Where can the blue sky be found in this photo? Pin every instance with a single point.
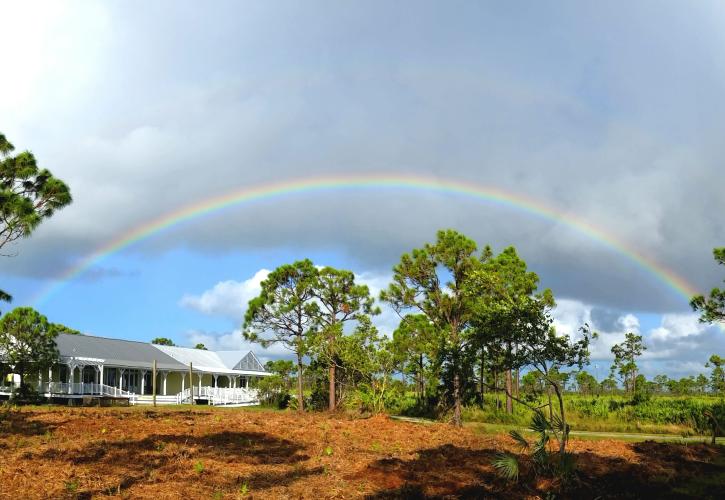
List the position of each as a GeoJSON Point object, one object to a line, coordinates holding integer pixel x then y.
{"type": "Point", "coordinates": [612, 112]}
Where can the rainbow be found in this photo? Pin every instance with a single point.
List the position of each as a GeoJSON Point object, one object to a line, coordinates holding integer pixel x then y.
{"type": "Point", "coordinates": [362, 182]}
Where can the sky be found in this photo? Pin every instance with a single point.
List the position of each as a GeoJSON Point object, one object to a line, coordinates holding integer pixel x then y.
{"type": "Point", "coordinates": [609, 112]}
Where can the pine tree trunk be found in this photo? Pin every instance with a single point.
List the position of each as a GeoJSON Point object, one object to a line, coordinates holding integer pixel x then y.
{"type": "Point", "coordinates": [481, 378]}
{"type": "Point", "coordinates": [420, 378]}
{"type": "Point", "coordinates": [509, 388]}
{"type": "Point", "coordinates": [332, 387]}
{"type": "Point", "coordinates": [495, 388]}
{"type": "Point", "coordinates": [300, 394]}
{"type": "Point", "coordinates": [457, 400]}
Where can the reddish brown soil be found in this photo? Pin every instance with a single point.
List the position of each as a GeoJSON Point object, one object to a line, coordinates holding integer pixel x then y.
{"type": "Point", "coordinates": [207, 453]}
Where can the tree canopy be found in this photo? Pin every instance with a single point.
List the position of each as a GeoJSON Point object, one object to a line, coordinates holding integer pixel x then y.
{"type": "Point", "coordinates": [285, 312]}
{"type": "Point", "coordinates": [712, 308]}
{"type": "Point", "coordinates": [163, 341]}
{"type": "Point", "coordinates": [27, 342]}
{"type": "Point", "coordinates": [341, 301]}
{"type": "Point", "coordinates": [625, 360]}
{"type": "Point", "coordinates": [28, 195]}
{"type": "Point", "coordinates": [431, 281]}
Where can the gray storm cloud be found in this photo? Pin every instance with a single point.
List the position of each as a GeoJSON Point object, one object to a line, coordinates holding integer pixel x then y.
{"type": "Point", "coordinates": [611, 113]}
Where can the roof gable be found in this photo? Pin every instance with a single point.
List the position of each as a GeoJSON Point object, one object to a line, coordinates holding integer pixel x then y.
{"type": "Point", "coordinates": [249, 362]}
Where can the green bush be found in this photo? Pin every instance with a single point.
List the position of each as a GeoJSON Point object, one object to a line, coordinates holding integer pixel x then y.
{"type": "Point", "coordinates": [273, 392]}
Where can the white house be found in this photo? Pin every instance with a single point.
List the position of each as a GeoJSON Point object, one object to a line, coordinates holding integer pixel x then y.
{"type": "Point", "coordinates": [113, 368]}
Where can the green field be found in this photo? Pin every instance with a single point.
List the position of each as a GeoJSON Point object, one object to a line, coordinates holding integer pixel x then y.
{"type": "Point", "coordinates": [683, 416]}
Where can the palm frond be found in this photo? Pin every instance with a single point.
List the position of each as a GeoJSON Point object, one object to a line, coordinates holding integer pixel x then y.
{"type": "Point", "coordinates": [520, 440]}
{"type": "Point", "coordinates": [558, 424]}
{"type": "Point", "coordinates": [539, 423]}
{"type": "Point", "coordinates": [507, 466]}
{"type": "Point", "coordinates": [539, 452]}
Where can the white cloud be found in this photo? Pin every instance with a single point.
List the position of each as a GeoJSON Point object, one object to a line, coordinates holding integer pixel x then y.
{"type": "Point", "coordinates": [678, 346]}
{"type": "Point", "coordinates": [678, 326]}
{"type": "Point", "coordinates": [387, 321]}
{"type": "Point", "coordinates": [233, 341]}
{"type": "Point", "coordinates": [228, 299]}
{"type": "Point", "coordinates": [57, 42]}
{"type": "Point", "coordinates": [630, 323]}
{"type": "Point", "coordinates": [569, 315]}
{"type": "Point", "coordinates": [226, 341]}
{"type": "Point", "coordinates": [153, 96]}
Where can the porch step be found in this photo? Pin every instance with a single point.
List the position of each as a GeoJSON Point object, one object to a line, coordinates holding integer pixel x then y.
{"type": "Point", "coordinates": [147, 399]}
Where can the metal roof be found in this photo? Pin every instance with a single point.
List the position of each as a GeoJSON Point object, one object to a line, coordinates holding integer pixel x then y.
{"type": "Point", "coordinates": [239, 362]}
{"type": "Point", "coordinates": [114, 352]}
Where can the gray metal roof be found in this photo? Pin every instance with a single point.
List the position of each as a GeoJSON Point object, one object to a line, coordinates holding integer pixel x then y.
{"type": "Point", "coordinates": [115, 352]}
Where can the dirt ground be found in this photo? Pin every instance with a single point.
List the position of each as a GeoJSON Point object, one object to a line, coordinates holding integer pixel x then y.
{"type": "Point", "coordinates": [218, 453]}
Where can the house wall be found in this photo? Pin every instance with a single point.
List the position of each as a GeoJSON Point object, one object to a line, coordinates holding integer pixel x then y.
{"type": "Point", "coordinates": [173, 383]}
{"type": "Point", "coordinates": [60, 373]}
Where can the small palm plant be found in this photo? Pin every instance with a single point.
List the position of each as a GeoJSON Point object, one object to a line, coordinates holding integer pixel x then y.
{"type": "Point", "coordinates": [543, 461]}
{"type": "Point", "coordinates": [710, 415]}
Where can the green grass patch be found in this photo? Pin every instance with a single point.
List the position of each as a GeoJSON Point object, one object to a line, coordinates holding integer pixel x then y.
{"type": "Point", "coordinates": [683, 416]}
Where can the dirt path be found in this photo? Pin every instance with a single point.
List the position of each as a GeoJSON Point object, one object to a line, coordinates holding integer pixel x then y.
{"type": "Point", "coordinates": [623, 436]}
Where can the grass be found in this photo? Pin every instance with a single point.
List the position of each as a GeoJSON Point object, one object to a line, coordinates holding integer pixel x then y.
{"type": "Point", "coordinates": [682, 416]}
{"type": "Point", "coordinates": [495, 429]}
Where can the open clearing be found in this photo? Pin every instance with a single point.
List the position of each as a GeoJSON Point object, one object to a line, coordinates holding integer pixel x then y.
{"type": "Point", "coordinates": [217, 453]}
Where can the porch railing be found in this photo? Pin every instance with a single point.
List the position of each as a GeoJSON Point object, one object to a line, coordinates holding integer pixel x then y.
{"type": "Point", "coordinates": [219, 395]}
{"type": "Point", "coordinates": [86, 388]}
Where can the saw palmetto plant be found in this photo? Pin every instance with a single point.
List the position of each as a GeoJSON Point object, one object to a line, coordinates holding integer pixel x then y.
{"type": "Point", "coordinates": [543, 461]}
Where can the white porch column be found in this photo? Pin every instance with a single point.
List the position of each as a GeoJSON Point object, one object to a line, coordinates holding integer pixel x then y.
{"type": "Point", "coordinates": [163, 378]}
{"type": "Point", "coordinates": [120, 378]}
{"type": "Point", "coordinates": [200, 375]}
{"type": "Point", "coordinates": [81, 384]}
{"type": "Point", "coordinates": [216, 380]}
{"type": "Point", "coordinates": [183, 382]}
{"type": "Point", "coordinates": [101, 376]}
{"type": "Point", "coordinates": [143, 382]}
{"type": "Point", "coordinates": [71, 376]}
{"type": "Point", "coordinates": [50, 378]}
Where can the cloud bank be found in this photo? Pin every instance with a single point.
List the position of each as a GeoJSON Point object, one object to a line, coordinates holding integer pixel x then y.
{"type": "Point", "coordinates": [145, 111]}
